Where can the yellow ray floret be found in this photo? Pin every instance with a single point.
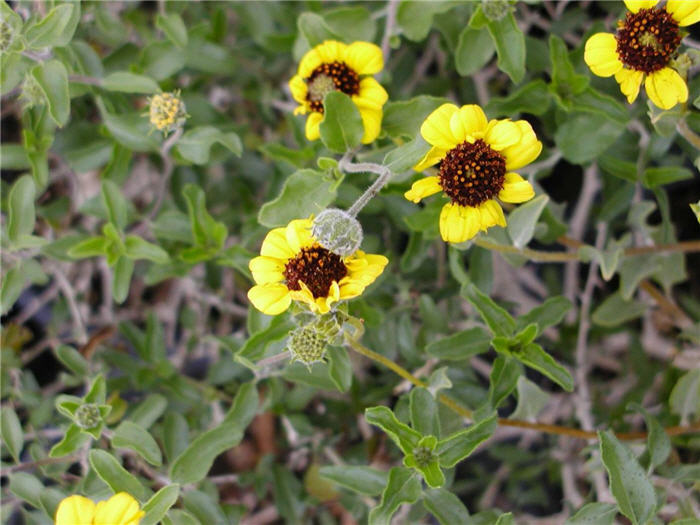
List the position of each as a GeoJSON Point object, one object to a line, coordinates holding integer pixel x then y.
{"type": "Point", "coordinates": [120, 509]}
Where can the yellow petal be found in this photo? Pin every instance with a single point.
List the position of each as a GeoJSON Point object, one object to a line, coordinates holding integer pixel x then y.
{"type": "Point", "coordinates": [313, 131]}
{"type": "Point", "coordinates": [75, 510]}
{"type": "Point", "coordinates": [298, 234]}
{"type": "Point", "coordinates": [501, 134]}
{"type": "Point", "coordinates": [120, 509]}
{"type": "Point", "coordinates": [371, 95]}
{"type": "Point", "coordinates": [276, 245]}
{"type": "Point", "coordinates": [666, 88]}
{"type": "Point", "coordinates": [423, 188]}
{"type": "Point", "coordinates": [271, 298]}
{"type": "Point", "coordinates": [459, 223]}
{"type": "Point", "coordinates": [308, 63]}
{"type": "Point", "coordinates": [301, 110]}
{"type": "Point", "coordinates": [350, 289]}
{"type": "Point", "coordinates": [364, 57]}
{"type": "Point", "coordinates": [601, 55]}
{"type": "Point", "coordinates": [364, 268]}
{"type": "Point", "coordinates": [436, 128]}
{"type": "Point", "coordinates": [523, 152]}
{"type": "Point", "coordinates": [630, 82]}
{"type": "Point", "coordinates": [491, 214]}
{"type": "Point", "coordinates": [685, 12]}
{"type": "Point", "coordinates": [516, 189]}
{"type": "Point", "coordinates": [433, 156]}
{"type": "Point", "coordinates": [636, 5]}
{"type": "Point", "coordinates": [468, 124]}
{"type": "Point", "coordinates": [266, 269]}
{"type": "Point", "coordinates": [298, 88]}
{"type": "Point", "coordinates": [331, 51]}
{"type": "Point", "coordinates": [372, 124]}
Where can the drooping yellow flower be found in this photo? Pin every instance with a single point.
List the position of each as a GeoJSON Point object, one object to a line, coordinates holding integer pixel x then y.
{"type": "Point", "coordinates": [641, 51]}
{"type": "Point", "coordinates": [334, 65]}
{"type": "Point", "coordinates": [120, 509]}
{"type": "Point", "coordinates": [293, 266]}
{"type": "Point", "coordinates": [476, 159]}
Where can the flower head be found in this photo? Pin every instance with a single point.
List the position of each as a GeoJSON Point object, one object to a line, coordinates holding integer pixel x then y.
{"type": "Point", "coordinates": [335, 66]}
{"type": "Point", "coordinates": [293, 266]}
{"type": "Point", "coordinates": [120, 509]}
{"type": "Point", "coordinates": [643, 49]}
{"type": "Point", "coordinates": [476, 158]}
{"type": "Point", "coordinates": [166, 111]}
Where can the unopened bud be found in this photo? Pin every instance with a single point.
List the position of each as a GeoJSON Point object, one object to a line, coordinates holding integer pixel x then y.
{"type": "Point", "coordinates": [167, 112]}
{"type": "Point", "coordinates": [337, 231]}
{"type": "Point", "coordinates": [495, 9]}
{"type": "Point", "coordinates": [307, 345]}
{"type": "Point", "coordinates": [32, 94]}
{"type": "Point", "coordinates": [87, 415]}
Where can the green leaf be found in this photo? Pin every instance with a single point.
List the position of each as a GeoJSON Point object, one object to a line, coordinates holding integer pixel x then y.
{"type": "Point", "coordinates": [565, 81]}
{"type": "Point", "coordinates": [13, 157]}
{"type": "Point", "coordinates": [254, 348]}
{"type": "Point", "coordinates": [134, 437]}
{"type": "Point", "coordinates": [315, 29]}
{"type": "Point", "coordinates": [90, 247]}
{"type": "Point", "coordinates": [534, 356]}
{"type": "Point", "coordinates": [175, 435]}
{"type": "Point", "coordinates": [73, 360]}
{"type": "Point", "coordinates": [26, 487]}
{"type": "Point", "coordinates": [340, 368]}
{"type": "Point", "coordinates": [474, 50]}
{"type": "Point", "coordinates": [505, 519]}
{"type": "Point", "coordinates": [203, 507]}
{"type": "Point", "coordinates": [549, 313]}
{"type": "Point", "coordinates": [654, 177]}
{"type": "Point", "coordinates": [121, 279]}
{"type": "Point", "coordinates": [115, 204]}
{"type": "Point", "coordinates": [594, 514]}
{"type": "Point", "coordinates": [405, 437]}
{"type": "Point", "coordinates": [407, 155]}
{"type": "Point", "coordinates": [658, 442]}
{"type": "Point", "coordinates": [461, 345]}
{"type": "Point", "coordinates": [11, 432]}
{"type": "Point", "coordinates": [402, 487]}
{"type": "Point", "coordinates": [632, 490]}
{"type": "Point", "coordinates": [498, 320]}
{"type": "Point", "coordinates": [363, 480]}
{"type": "Point", "coordinates": [510, 46]}
{"type": "Point", "coordinates": [685, 396]}
{"type": "Point", "coordinates": [195, 145]}
{"type": "Point", "coordinates": [52, 78]}
{"type": "Point", "coordinates": [149, 410]}
{"type": "Point", "coordinates": [460, 445]}
{"type": "Point", "coordinates": [55, 29]}
{"type": "Point", "coordinates": [635, 269]}
{"type": "Point", "coordinates": [287, 491]}
{"type": "Point", "coordinates": [132, 130]}
{"type": "Point", "coordinates": [341, 128]}
{"type": "Point", "coordinates": [533, 97]}
{"type": "Point", "coordinates": [504, 376]}
{"type": "Point", "coordinates": [531, 400]}
{"type": "Point", "coordinates": [424, 412]}
{"type": "Point", "coordinates": [12, 286]}
{"type": "Point", "coordinates": [156, 507]}
{"type": "Point", "coordinates": [615, 310]}
{"type": "Point", "coordinates": [447, 508]}
{"type": "Point", "coordinates": [415, 18]}
{"type": "Point", "coordinates": [21, 213]}
{"type": "Point", "coordinates": [194, 463]}
{"type": "Point", "coordinates": [126, 82]}
{"type": "Point", "coordinates": [205, 229]}
{"type": "Point", "coordinates": [584, 136]}
{"type": "Point", "coordinates": [117, 477]}
{"type": "Point", "coordinates": [174, 28]}
{"type": "Point", "coordinates": [138, 248]}
{"type": "Point", "coordinates": [304, 192]}
{"type": "Point", "coordinates": [523, 219]}
{"type": "Point", "coordinates": [403, 118]}
{"type": "Point", "coordinates": [72, 440]}
{"type": "Point", "coordinates": [352, 22]}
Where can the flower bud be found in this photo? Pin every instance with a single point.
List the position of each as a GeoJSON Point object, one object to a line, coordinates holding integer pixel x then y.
{"type": "Point", "coordinates": [307, 345]}
{"type": "Point", "coordinates": [337, 231]}
{"type": "Point", "coordinates": [495, 9]}
{"type": "Point", "coordinates": [167, 112]}
{"type": "Point", "coordinates": [88, 415]}
{"type": "Point", "coordinates": [32, 94]}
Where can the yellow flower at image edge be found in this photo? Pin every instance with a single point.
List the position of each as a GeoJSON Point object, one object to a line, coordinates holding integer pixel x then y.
{"type": "Point", "coordinates": [335, 66]}
{"type": "Point", "coordinates": [120, 509]}
{"type": "Point", "coordinates": [476, 159]}
{"type": "Point", "coordinates": [642, 50]}
{"type": "Point", "coordinates": [293, 266]}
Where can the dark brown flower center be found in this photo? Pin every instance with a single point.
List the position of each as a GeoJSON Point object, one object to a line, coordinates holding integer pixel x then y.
{"type": "Point", "coordinates": [647, 39]}
{"type": "Point", "coordinates": [471, 174]}
{"type": "Point", "coordinates": [317, 268]}
{"type": "Point", "coordinates": [336, 76]}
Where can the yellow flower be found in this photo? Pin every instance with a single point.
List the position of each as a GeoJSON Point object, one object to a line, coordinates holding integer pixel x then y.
{"type": "Point", "coordinates": [337, 66]}
{"type": "Point", "coordinates": [476, 159]}
{"type": "Point", "coordinates": [166, 111]}
{"type": "Point", "coordinates": [293, 266]}
{"type": "Point", "coordinates": [120, 509]}
{"type": "Point", "coordinates": [645, 43]}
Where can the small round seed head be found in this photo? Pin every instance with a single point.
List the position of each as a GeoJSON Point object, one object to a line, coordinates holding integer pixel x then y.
{"type": "Point", "coordinates": [337, 231]}
{"type": "Point", "coordinates": [87, 415]}
{"type": "Point", "coordinates": [167, 112]}
{"type": "Point", "coordinates": [307, 345]}
{"type": "Point", "coordinates": [495, 9]}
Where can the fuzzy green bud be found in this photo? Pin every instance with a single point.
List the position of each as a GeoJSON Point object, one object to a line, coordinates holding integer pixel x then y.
{"type": "Point", "coordinates": [337, 231]}
{"type": "Point", "coordinates": [87, 415]}
{"type": "Point", "coordinates": [307, 345]}
{"type": "Point", "coordinates": [495, 9]}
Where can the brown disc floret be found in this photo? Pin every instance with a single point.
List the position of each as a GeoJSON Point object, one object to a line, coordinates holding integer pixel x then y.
{"type": "Point", "coordinates": [647, 39]}
{"type": "Point", "coordinates": [472, 173]}
{"type": "Point", "coordinates": [317, 268]}
{"type": "Point", "coordinates": [336, 76]}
